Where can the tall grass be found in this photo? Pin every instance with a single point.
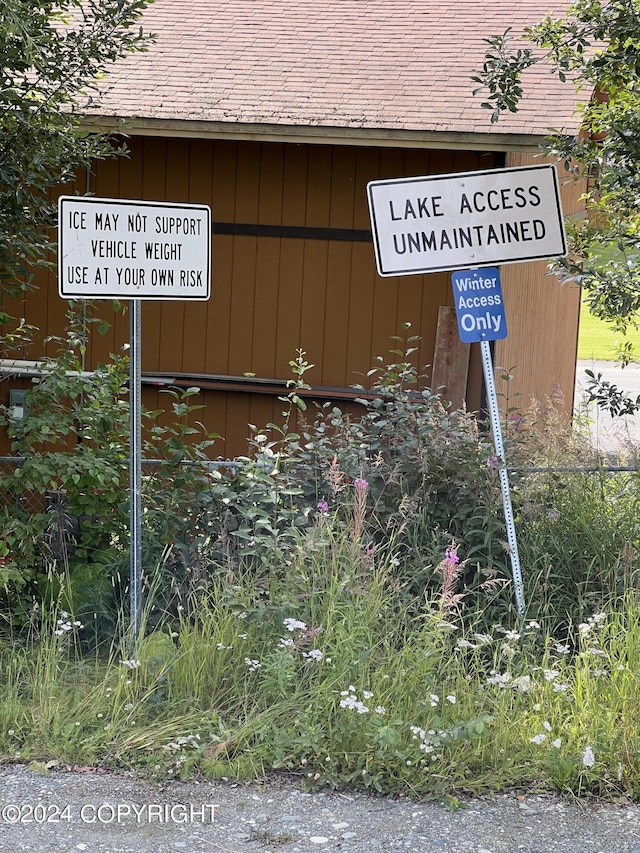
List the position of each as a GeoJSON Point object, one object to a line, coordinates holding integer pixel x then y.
{"type": "Point", "coordinates": [333, 677]}
{"type": "Point", "coordinates": [597, 340]}
{"type": "Point", "coordinates": [363, 633]}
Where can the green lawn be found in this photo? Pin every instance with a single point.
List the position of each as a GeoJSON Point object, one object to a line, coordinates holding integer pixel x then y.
{"type": "Point", "coordinates": [597, 340]}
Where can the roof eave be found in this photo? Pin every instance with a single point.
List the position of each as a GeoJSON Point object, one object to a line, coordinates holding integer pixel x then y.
{"type": "Point", "coordinates": [316, 134]}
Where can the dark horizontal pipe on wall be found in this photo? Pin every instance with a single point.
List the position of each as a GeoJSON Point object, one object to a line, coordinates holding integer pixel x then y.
{"type": "Point", "coordinates": [297, 232]}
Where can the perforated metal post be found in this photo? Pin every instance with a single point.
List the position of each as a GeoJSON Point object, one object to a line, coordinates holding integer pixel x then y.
{"type": "Point", "coordinates": [494, 415]}
{"type": "Point", "coordinates": [135, 469]}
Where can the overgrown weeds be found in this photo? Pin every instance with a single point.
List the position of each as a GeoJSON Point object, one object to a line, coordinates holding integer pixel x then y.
{"type": "Point", "coordinates": [338, 605]}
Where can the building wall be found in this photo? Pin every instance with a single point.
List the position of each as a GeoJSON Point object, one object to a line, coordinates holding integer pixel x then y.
{"type": "Point", "coordinates": [293, 268]}
{"type": "Point", "coordinates": [542, 320]}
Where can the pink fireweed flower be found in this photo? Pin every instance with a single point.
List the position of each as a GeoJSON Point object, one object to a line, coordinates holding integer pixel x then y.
{"type": "Point", "coordinates": [450, 572]}
{"type": "Point", "coordinates": [359, 507]}
{"type": "Point", "coordinates": [451, 555]}
{"type": "Point", "coordinates": [323, 507]}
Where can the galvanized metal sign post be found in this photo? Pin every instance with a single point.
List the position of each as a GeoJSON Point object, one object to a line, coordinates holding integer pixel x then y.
{"type": "Point", "coordinates": [481, 319]}
{"type": "Point", "coordinates": [135, 466]}
{"type": "Point", "coordinates": [467, 222]}
{"type": "Point", "coordinates": [494, 415]}
{"type": "Point", "coordinates": [134, 250]}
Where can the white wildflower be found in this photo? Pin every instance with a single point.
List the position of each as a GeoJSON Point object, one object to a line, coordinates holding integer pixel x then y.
{"type": "Point", "coordinates": [538, 738]}
{"type": "Point", "coordinates": [588, 758]}
{"type": "Point", "coordinates": [497, 678]}
{"type": "Point", "coordinates": [351, 701]}
{"type": "Point", "coordinates": [354, 704]}
{"type": "Point", "coordinates": [434, 699]}
{"type": "Point", "coordinates": [65, 625]}
{"type": "Point", "coordinates": [508, 651]}
{"type": "Point", "coordinates": [546, 725]}
{"type": "Point", "coordinates": [562, 649]}
{"type": "Point", "coordinates": [592, 650]}
{"type": "Point", "coordinates": [451, 698]}
{"type": "Point", "coordinates": [523, 683]}
{"type": "Point", "coordinates": [253, 665]}
{"type": "Point", "coordinates": [380, 709]}
{"type": "Point", "coordinates": [557, 743]}
{"type": "Point", "coordinates": [294, 624]}
{"type": "Point", "coordinates": [314, 654]}
{"type": "Point", "coordinates": [550, 674]}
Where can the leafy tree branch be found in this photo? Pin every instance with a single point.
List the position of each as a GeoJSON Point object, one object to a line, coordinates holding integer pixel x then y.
{"type": "Point", "coordinates": [53, 53]}
{"type": "Point", "coordinates": [594, 48]}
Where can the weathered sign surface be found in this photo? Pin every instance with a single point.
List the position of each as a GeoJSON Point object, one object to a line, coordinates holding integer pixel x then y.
{"type": "Point", "coordinates": [115, 249]}
{"type": "Point", "coordinates": [466, 219]}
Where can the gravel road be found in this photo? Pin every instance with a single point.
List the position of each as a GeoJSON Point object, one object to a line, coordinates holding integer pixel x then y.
{"type": "Point", "coordinates": [67, 811]}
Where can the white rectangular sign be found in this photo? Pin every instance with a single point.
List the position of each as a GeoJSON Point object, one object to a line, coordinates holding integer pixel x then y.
{"type": "Point", "coordinates": [466, 219]}
{"type": "Point", "coordinates": [119, 249]}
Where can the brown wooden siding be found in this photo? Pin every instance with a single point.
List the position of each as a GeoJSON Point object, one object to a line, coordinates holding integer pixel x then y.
{"type": "Point", "coordinates": [277, 291]}
{"type": "Point", "coordinates": [542, 320]}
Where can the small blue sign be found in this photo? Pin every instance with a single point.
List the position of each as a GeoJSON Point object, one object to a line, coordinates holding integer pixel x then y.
{"type": "Point", "coordinates": [479, 305]}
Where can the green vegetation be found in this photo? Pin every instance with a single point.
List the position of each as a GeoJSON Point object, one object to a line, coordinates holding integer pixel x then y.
{"type": "Point", "coordinates": [52, 55]}
{"type": "Point", "coordinates": [339, 607]}
{"type": "Point", "coordinates": [598, 341]}
{"type": "Point", "coordinates": [594, 50]}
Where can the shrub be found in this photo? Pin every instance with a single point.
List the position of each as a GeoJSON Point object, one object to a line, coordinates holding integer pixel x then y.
{"type": "Point", "coordinates": [64, 506]}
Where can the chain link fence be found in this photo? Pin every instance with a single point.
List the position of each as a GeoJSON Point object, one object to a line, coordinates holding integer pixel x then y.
{"type": "Point", "coordinates": [164, 489]}
{"type": "Point", "coordinates": [37, 502]}
{"type": "Point", "coordinates": [55, 511]}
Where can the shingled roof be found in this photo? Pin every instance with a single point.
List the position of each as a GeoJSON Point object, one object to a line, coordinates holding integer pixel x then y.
{"type": "Point", "coordinates": [377, 71]}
